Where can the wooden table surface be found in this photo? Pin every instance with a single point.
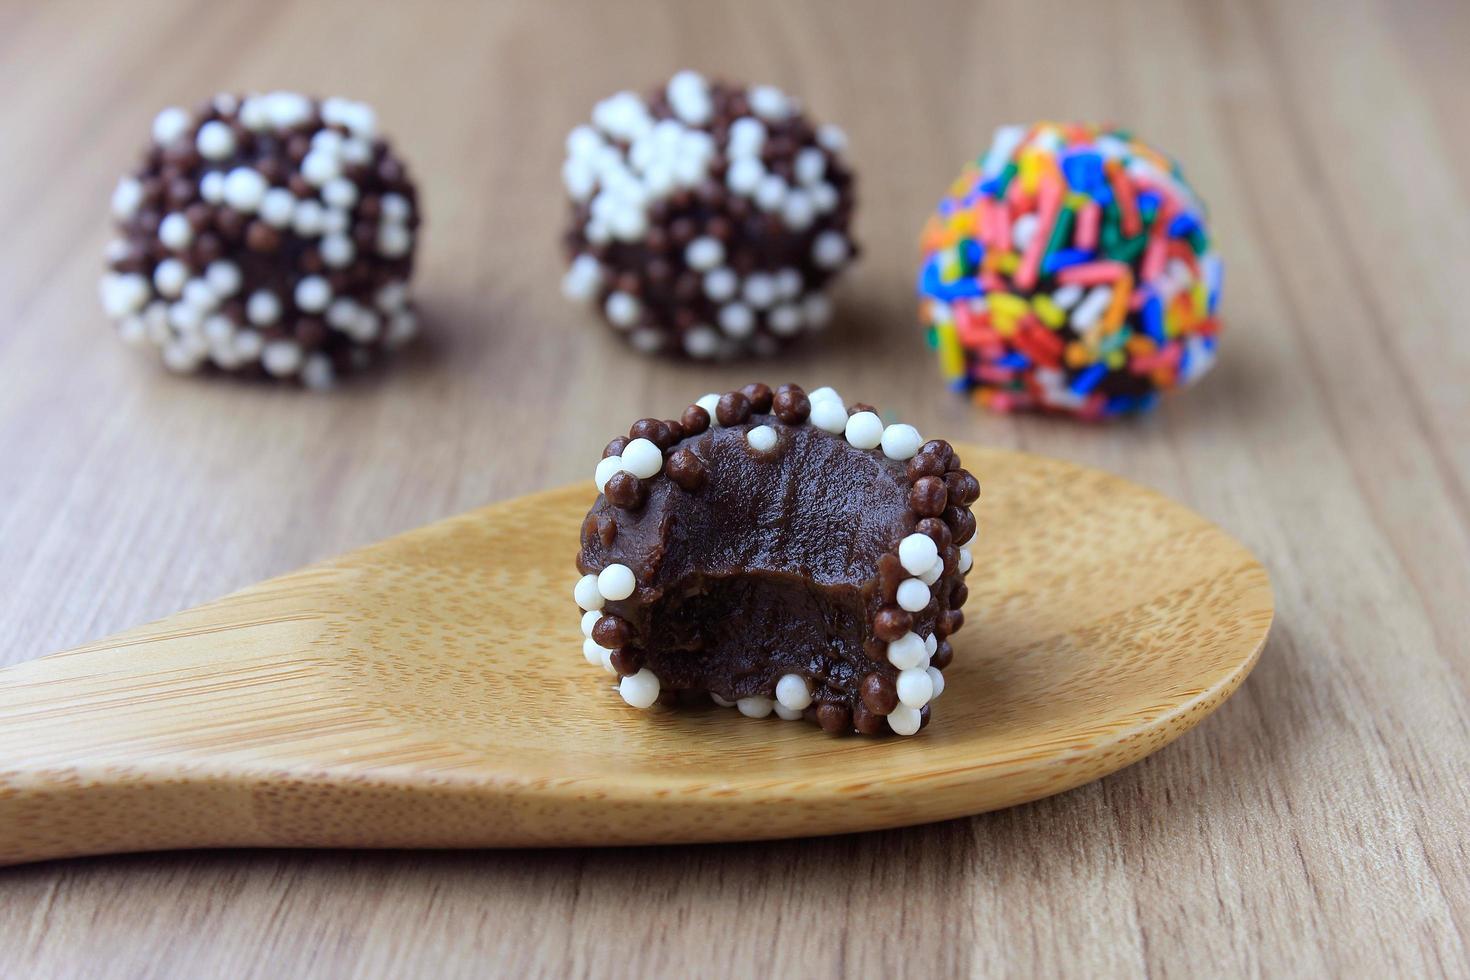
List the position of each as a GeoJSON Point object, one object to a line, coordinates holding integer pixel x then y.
{"type": "Point", "coordinates": [1316, 825]}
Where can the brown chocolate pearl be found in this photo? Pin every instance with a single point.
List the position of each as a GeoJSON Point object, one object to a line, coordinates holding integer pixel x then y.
{"type": "Point", "coordinates": [676, 431]}
{"type": "Point", "coordinates": [865, 721]}
{"type": "Point", "coordinates": [625, 490]}
{"type": "Point", "coordinates": [961, 522]}
{"type": "Point", "coordinates": [759, 396]}
{"type": "Point", "coordinates": [940, 448]}
{"type": "Point", "coordinates": [892, 623]}
{"type": "Point", "coordinates": [615, 447]}
{"type": "Point", "coordinates": [733, 408]}
{"type": "Point", "coordinates": [943, 654]}
{"type": "Point", "coordinates": [791, 407]}
{"type": "Point", "coordinates": [310, 332]}
{"type": "Point", "coordinates": [612, 632]}
{"type": "Point", "coordinates": [695, 420]}
{"type": "Point", "coordinates": [607, 530]}
{"type": "Point", "coordinates": [207, 248]}
{"type": "Point", "coordinates": [958, 595]}
{"type": "Point", "coordinates": [856, 407]}
{"type": "Point", "coordinates": [938, 530]}
{"type": "Point", "coordinates": [963, 488]}
{"type": "Point", "coordinates": [924, 713]}
{"type": "Point", "coordinates": [835, 719]}
{"type": "Point", "coordinates": [949, 623]}
{"type": "Point", "coordinates": [925, 464]}
{"type": "Point", "coordinates": [686, 470]}
{"type": "Point", "coordinates": [198, 215]}
{"type": "Point", "coordinates": [928, 497]}
{"type": "Point", "coordinates": [653, 430]}
{"type": "Point", "coordinates": [879, 694]}
{"type": "Point", "coordinates": [229, 223]}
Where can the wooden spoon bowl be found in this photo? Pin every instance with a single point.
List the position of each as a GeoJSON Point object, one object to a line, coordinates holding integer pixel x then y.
{"type": "Point", "coordinates": [430, 691]}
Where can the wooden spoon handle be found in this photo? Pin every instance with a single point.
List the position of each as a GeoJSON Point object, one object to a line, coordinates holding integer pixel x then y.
{"type": "Point", "coordinates": [168, 735]}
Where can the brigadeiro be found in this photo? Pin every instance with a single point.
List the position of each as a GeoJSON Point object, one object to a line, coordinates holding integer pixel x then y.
{"type": "Point", "coordinates": [708, 219]}
{"type": "Point", "coordinates": [1069, 270]}
{"type": "Point", "coordinates": [781, 552]}
{"type": "Point", "coordinates": [265, 235]}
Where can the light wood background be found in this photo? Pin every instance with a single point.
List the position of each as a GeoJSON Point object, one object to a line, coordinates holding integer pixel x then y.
{"type": "Point", "coordinates": [1316, 825]}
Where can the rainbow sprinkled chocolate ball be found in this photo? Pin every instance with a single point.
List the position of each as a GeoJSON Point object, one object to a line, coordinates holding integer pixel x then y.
{"type": "Point", "coordinates": [707, 219]}
{"type": "Point", "coordinates": [1069, 270]}
{"type": "Point", "coordinates": [264, 235]}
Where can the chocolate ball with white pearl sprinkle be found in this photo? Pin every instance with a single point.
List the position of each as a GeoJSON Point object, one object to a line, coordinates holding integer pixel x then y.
{"type": "Point", "coordinates": [708, 219]}
{"type": "Point", "coordinates": [269, 235]}
{"type": "Point", "coordinates": [777, 563]}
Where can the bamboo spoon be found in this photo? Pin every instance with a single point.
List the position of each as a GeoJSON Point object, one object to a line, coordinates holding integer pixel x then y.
{"type": "Point", "coordinates": [430, 691]}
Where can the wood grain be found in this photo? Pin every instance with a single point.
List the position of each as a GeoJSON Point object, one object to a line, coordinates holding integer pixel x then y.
{"type": "Point", "coordinates": [430, 691]}
{"type": "Point", "coordinates": [1314, 826]}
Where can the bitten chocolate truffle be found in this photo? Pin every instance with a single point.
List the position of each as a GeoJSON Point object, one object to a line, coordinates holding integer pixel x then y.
{"type": "Point", "coordinates": [267, 235]}
{"type": "Point", "coordinates": [774, 559]}
{"type": "Point", "coordinates": [707, 219]}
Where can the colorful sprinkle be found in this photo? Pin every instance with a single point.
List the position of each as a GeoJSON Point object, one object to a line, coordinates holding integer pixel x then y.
{"type": "Point", "coordinates": [1069, 269]}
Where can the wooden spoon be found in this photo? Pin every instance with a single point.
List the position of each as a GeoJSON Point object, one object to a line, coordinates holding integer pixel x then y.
{"type": "Point", "coordinates": [430, 691]}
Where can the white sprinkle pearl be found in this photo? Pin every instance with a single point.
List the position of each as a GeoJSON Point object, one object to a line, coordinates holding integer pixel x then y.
{"type": "Point", "coordinates": [643, 459]}
{"type": "Point", "coordinates": [606, 467]}
{"type": "Point", "coordinates": [394, 241]}
{"type": "Point", "coordinates": [709, 403]}
{"type": "Point", "coordinates": [720, 701]}
{"type": "Point", "coordinates": [245, 189]}
{"type": "Point", "coordinates": [169, 125]}
{"type": "Point", "coordinates": [737, 319]}
{"type": "Point", "coordinates": [966, 560]}
{"type": "Point", "coordinates": [762, 438]}
{"type": "Point", "coordinates": [586, 593]}
{"type": "Point", "coordinates": [622, 309]}
{"type": "Point", "coordinates": [604, 657]}
{"type": "Point", "coordinates": [127, 197]}
{"type": "Point", "coordinates": [901, 441]}
{"type": "Point", "coordinates": [918, 553]}
{"type": "Point", "coordinates": [904, 720]}
{"type": "Point", "coordinates": [822, 394]}
{"type": "Point", "coordinates": [932, 575]}
{"type": "Point", "coordinates": [755, 707]}
{"type": "Point", "coordinates": [640, 690]}
{"type": "Point", "coordinates": [785, 713]}
{"type": "Point", "coordinates": [277, 207]}
{"type": "Point", "coordinates": [864, 430]}
{"type": "Point", "coordinates": [829, 415]}
{"type": "Point", "coordinates": [936, 681]}
{"type": "Point", "coordinates": [720, 284]}
{"type": "Point", "coordinates": [915, 689]}
{"type": "Point", "coordinates": [215, 140]}
{"type": "Point", "coordinates": [313, 294]}
{"type": "Point", "coordinates": [591, 652]}
{"type": "Point", "coordinates": [169, 277]}
{"type": "Point", "coordinates": [907, 651]}
{"type": "Point", "coordinates": [931, 644]}
{"type": "Point", "coordinates": [224, 277]}
{"type": "Point", "coordinates": [704, 253]}
{"type": "Point", "coordinates": [281, 357]}
{"type": "Point", "coordinates": [616, 582]}
{"type": "Point", "coordinates": [589, 620]}
{"type": "Point", "coordinates": [913, 595]}
{"type": "Point", "coordinates": [830, 249]}
{"type": "Point", "coordinates": [793, 692]}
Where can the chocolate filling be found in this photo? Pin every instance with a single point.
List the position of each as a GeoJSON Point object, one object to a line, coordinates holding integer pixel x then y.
{"type": "Point", "coordinates": [752, 576]}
